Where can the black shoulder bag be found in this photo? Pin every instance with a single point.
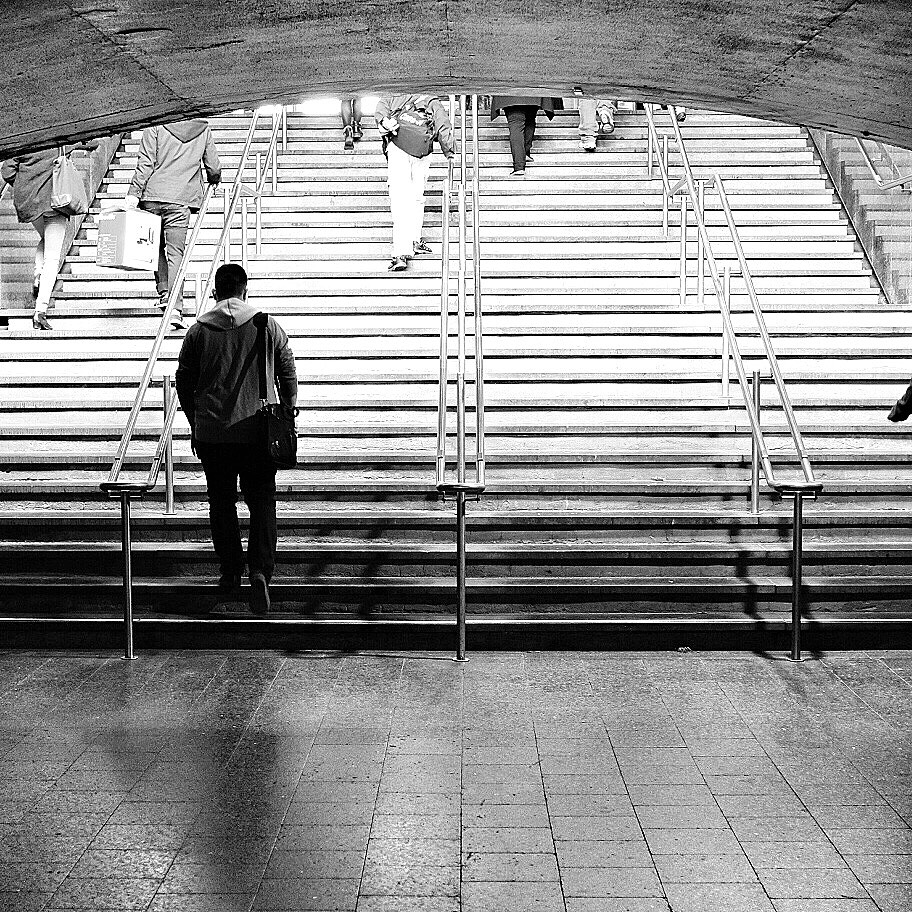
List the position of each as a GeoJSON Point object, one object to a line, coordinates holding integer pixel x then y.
{"type": "Point", "coordinates": [278, 434]}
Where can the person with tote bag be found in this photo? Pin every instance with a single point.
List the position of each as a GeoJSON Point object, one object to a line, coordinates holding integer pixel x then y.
{"type": "Point", "coordinates": [47, 190]}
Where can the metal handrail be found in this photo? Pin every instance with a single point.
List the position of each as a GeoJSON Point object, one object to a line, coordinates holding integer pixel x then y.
{"type": "Point", "coordinates": [797, 490]}
{"type": "Point", "coordinates": [461, 488]}
{"type": "Point", "coordinates": [872, 167]}
{"type": "Point", "coordinates": [126, 491]}
{"type": "Point", "coordinates": [688, 184]}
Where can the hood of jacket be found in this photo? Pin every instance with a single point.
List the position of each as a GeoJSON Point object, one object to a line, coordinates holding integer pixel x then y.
{"type": "Point", "coordinates": [187, 130]}
{"type": "Point", "coordinates": [228, 314]}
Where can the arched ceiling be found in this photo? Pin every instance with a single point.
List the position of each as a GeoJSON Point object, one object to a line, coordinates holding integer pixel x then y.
{"type": "Point", "coordinates": [86, 67]}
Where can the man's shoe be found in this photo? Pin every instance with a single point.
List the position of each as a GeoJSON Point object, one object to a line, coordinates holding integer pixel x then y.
{"type": "Point", "coordinates": [357, 131]}
{"type": "Point", "coordinates": [229, 587]}
{"type": "Point", "coordinates": [177, 318]}
{"type": "Point", "coordinates": [397, 264]}
{"type": "Point", "coordinates": [259, 594]}
{"type": "Point", "coordinates": [529, 158]}
{"type": "Point", "coordinates": [588, 143]}
{"type": "Point", "coordinates": [519, 173]}
{"type": "Point", "coordinates": [606, 120]}
{"type": "Point", "coordinates": [348, 139]}
{"type": "Point", "coordinates": [681, 115]}
{"type": "Point", "coordinates": [421, 248]}
{"type": "Point", "coordinates": [40, 321]}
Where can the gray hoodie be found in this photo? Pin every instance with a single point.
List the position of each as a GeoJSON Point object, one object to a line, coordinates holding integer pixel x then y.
{"type": "Point", "coordinates": [168, 167]}
{"type": "Point", "coordinates": [217, 380]}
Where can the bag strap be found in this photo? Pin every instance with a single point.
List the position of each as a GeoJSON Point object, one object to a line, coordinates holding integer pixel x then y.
{"type": "Point", "coordinates": [260, 320]}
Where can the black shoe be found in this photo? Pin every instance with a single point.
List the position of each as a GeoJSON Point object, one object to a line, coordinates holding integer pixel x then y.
{"type": "Point", "coordinates": [681, 115]}
{"type": "Point", "coordinates": [177, 318]}
{"type": "Point", "coordinates": [259, 594]}
{"type": "Point", "coordinates": [397, 264]}
{"type": "Point", "coordinates": [357, 131]}
{"type": "Point", "coordinates": [529, 158]}
{"type": "Point", "coordinates": [40, 321]}
{"type": "Point", "coordinates": [348, 139]}
{"type": "Point", "coordinates": [421, 248]}
{"type": "Point", "coordinates": [229, 587]}
{"type": "Point", "coordinates": [518, 173]}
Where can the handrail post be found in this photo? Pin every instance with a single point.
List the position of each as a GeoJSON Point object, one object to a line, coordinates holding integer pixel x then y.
{"type": "Point", "coordinates": [701, 257]}
{"type": "Point", "coordinates": [682, 268]}
{"type": "Point", "coordinates": [226, 226]}
{"type": "Point", "coordinates": [479, 337]}
{"type": "Point", "coordinates": [797, 545]}
{"type": "Point", "coordinates": [460, 576]}
{"type": "Point", "coordinates": [665, 200]}
{"type": "Point", "coordinates": [755, 452]}
{"type": "Point", "coordinates": [126, 548]}
{"type": "Point", "coordinates": [167, 395]}
{"type": "Point", "coordinates": [259, 206]}
{"type": "Point", "coordinates": [726, 346]}
{"type": "Point", "coordinates": [245, 211]}
{"type": "Point", "coordinates": [284, 128]}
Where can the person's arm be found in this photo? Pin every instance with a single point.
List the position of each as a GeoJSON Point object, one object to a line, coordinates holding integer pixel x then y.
{"type": "Point", "coordinates": [443, 129]}
{"type": "Point", "coordinates": [903, 407]}
{"type": "Point", "coordinates": [211, 162]}
{"type": "Point", "coordinates": [286, 377]}
{"type": "Point", "coordinates": [9, 170]}
{"type": "Point", "coordinates": [186, 378]}
{"type": "Point", "coordinates": [145, 164]}
{"type": "Point", "coordinates": [385, 123]}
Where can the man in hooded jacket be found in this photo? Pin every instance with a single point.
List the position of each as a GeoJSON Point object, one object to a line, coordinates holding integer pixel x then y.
{"type": "Point", "coordinates": [218, 387]}
{"type": "Point", "coordinates": [168, 182]}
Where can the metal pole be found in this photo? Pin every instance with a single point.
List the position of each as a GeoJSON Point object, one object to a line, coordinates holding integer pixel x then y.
{"type": "Point", "coordinates": [127, 575]}
{"type": "Point", "coordinates": [701, 277]}
{"type": "Point", "coordinates": [479, 336]}
{"type": "Point", "coordinates": [226, 250]}
{"type": "Point", "coordinates": [461, 305]}
{"type": "Point", "coordinates": [665, 199]}
{"type": "Point", "coordinates": [797, 536]}
{"type": "Point", "coordinates": [682, 267]}
{"type": "Point", "coordinates": [726, 348]}
{"type": "Point", "coordinates": [460, 576]}
{"type": "Point", "coordinates": [259, 205]}
{"type": "Point", "coordinates": [168, 392]}
{"type": "Point", "coordinates": [444, 327]}
{"type": "Point", "coordinates": [284, 128]}
{"type": "Point", "coordinates": [245, 210]}
{"type": "Point", "coordinates": [755, 451]}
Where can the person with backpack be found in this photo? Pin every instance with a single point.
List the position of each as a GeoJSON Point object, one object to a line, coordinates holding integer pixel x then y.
{"type": "Point", "coordinates": [409, 125]}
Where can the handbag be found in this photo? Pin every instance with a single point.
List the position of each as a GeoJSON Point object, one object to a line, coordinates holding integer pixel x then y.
{"type": "Point", "coordinates": [277, 431]}
{"type": "Point", "coordinates": [416, 132]}
{"type": "Point", "coordinates": [68, 192]}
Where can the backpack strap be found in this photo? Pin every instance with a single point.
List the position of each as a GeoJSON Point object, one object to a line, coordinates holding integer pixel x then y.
{"type": "Point", "coordinates": [259, 321]}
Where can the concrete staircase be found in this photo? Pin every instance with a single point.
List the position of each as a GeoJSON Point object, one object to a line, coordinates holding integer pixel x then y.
{"type": "Point", "coordinates": [618, 471]}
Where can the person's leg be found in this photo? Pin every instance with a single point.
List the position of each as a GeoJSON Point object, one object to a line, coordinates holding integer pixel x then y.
{"type": "Point", "coordinates": [516, 122]}
{"type": "Point", "coordinates": [398, 180]}
{"type": "Point", "coordinates": [605, 115]}
{"type": "Point", "coordinates": [420, 169]}
{"type": "Point", "coordinates": [258, 484]}
{"type": "Point", "coordinates": [161, 273]}
{"type": "Point", "coordinates": [53, 237]}
{"type": "Point", "coordinates": [356, 118]}
{"type": "Point", "coordinates": [588, 125]}
{"type": "Point", "coordinates": [220, 465]}
{"type": "Point", "coordinates": [38, 225]}
{"type": "Point", "coordinates": [348, 135]}
{"type": "Point", "coordinates": [529, 130]}
{"type": "Point", "coordinates": [175, 222]}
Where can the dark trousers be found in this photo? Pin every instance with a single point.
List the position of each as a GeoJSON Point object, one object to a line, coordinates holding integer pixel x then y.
{"type": "Point", "coordinates": [175, 222]}
{"type": "Point", "coordinates": [521, 123]}
{"type": "Point", "coordinates": [223, 464]}
{"type": "Point", "coordinates": [351, 111]}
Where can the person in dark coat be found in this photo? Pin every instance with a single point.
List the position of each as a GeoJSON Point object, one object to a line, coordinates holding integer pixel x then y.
{"type": "Point", "coordinates": [520, 111]}
{"type": "Point", "coordinates": [31, 176]}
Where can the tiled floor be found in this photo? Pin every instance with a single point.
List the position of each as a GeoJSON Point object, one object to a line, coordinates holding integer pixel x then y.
{"type": "Point", "coordinates": [554, 782]}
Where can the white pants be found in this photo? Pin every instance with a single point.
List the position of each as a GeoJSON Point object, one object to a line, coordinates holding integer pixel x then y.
{"type": "Point", "coordinates": [406, 178]}
{"type": "Point", "coordinates": [51, 235]}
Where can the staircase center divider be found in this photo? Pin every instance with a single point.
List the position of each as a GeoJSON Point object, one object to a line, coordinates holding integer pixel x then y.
{"type": "Point", "coordinates": [457, 184]}
{"type": "Point", "coordinates": [126, 491]}
{"type": "Point", "coordinates": [687, 186]}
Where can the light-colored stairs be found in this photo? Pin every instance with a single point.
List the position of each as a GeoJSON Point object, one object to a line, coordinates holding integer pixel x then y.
{"type": "Point", "coordinates": [618, 473]}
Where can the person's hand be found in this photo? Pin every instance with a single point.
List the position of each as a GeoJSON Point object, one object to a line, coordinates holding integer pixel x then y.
{"type": "Point", "coordinates": [131, 202]}
{"type": "Point", "coordinates": [390, 124]}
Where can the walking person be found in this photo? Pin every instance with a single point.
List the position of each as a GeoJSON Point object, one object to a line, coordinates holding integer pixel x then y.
{"type": "Point", "coordinates": [168, 182]}
{"type": "Point", "coordinates": [521, 111]}
{"type": "Point", "coordinates": [218, 387]}
{"type": "Point", "coordinates": [596, 115]}
{"type": "Point", "coordinates": [351, 122]}
{"type": "Point", "coordinates": [409, 126]}
{"type": "Point", "coordinates": [31, 177]}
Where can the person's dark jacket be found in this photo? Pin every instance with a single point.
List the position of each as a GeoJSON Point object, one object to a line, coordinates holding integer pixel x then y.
{"type": "Point", "coordinates": [217, 380]}
{"type": "Point", "coordinates": [499, 103]}
{"type": "Point", "coordinates": [903, 407]}
{"type": "Point", "coordinates": [30, 176]}
{"type": "Point", "coordinates": [168, 166]}
{"type": "Point", "coordinates": [443, 129]}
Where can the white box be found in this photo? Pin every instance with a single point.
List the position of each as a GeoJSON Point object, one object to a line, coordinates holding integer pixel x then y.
{"type": "Point", "coordinates": [128, 239]}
